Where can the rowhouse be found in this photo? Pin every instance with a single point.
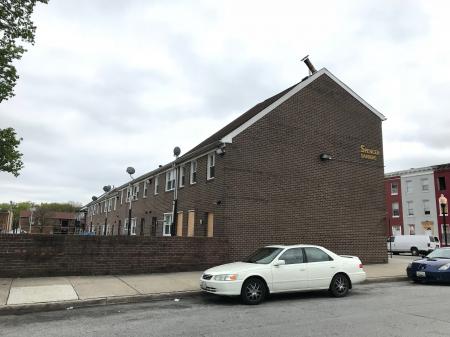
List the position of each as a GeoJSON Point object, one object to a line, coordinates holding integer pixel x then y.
{"type": "Point", "coordinates": [303, 166]}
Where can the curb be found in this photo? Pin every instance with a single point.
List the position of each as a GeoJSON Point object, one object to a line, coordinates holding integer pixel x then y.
{"type": "Point", "coordinates": [383, 279]}
{"type": "Point", "coordinates": [21, 309]}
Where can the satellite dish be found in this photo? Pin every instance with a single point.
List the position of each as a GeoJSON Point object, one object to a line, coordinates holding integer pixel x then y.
{"type": "Point", "coordinates": [130, 170]}
{"type": "Point", "coordinates": [176, 151]}
{"type": "Point", "coordinates": [94, 198]}
{"type": "Point", "coordinates": [107, 188]}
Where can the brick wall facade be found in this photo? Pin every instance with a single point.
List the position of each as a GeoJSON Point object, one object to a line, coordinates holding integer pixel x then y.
{"type": "Point", "coordinates": [278, 190]}
{"type": "Point", "coordinates": [65, 255]}
{"type": "Point", "coordinates": [270, 186]}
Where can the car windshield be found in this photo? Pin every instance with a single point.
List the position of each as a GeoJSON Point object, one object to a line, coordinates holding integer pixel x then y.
{"type": "Point", "coordinates": [263, 255]}
{"type": "Point", "coordinates": [439, 253]}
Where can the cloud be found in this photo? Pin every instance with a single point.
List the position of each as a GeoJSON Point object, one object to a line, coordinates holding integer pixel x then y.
{"type": "Point", "coordinates": [110, 84]}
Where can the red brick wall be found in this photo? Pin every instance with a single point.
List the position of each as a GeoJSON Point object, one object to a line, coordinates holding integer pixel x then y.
{"type": "Point", "coordinates": [64, 255]}
{"type": "Point", "coordinates": [391, 220]}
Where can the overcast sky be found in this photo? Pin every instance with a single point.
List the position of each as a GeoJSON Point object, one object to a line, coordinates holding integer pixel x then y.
{"type": "Point", "coordinates": [111, 84]}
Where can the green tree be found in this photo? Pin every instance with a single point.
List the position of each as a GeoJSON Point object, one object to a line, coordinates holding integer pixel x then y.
{"type": "Point", "coordinates": [15, 27]}
{"type": "Point", "coordinates": [10, 157]}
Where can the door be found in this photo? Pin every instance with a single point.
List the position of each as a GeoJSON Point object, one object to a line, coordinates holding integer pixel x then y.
{"type": "Point", "coordinates": [321, 268]}
{"type": "Point", "coordinates": [180, 224]}
{"type": "Point", "coordinates": [396, 230]}
{"type": "Point", "coordinates": [191, 219]}
{"type": "Point", "coordinates": [292, 275]}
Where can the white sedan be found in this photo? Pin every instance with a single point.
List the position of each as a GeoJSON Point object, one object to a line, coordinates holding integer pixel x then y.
{"type": "Point", "coordinates": [277, 269]}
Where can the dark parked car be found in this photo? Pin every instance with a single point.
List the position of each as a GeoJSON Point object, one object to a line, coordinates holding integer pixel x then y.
{"type": "Point", "coordinates": [435, 267]}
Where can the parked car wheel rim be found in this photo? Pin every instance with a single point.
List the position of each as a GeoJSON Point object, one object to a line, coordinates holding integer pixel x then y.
{"type": "Point", "coordinates": [340, 284]}
{"type": "Point", "coordinates": [254, 291]}
{"type": "Point", "coordinates": [414, 251]}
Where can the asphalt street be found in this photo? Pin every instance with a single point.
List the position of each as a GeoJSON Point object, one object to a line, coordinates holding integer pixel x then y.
{"type": "Point", "coordinates": [378, 309]}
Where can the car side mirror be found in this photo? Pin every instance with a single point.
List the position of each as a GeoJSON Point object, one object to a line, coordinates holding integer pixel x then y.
{"type": "Point", "coordinates": [279, 263]}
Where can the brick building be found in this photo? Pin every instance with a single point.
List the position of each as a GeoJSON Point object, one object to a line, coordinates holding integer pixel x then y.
{"type": "Point", "coordinates": [6, 221]}
{"type": "Point", "coordinates": [49, 223]}
{"type": "Point", "coordinates": [303, 166]}
{"type": "Point", "coordinates": [441, 183]}
{"type": "Point", "coordinates": [412, 200]}
{"type": "Point", "coordinates": [394, 207]}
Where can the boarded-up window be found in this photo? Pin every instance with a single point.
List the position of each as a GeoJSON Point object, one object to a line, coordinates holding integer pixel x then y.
{"type": "Point", "coordinates": [210, 225]}
{"type": "Point", "coordinates": [180, 224]}
{"type": "Point", "coordinates": [191, 221]}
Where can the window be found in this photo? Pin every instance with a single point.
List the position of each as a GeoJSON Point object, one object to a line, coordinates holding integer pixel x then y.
{"type": "Point", "coordinates": [314, 254]}
{"type": "Point", "coordinates": [395, 210]}
{"type": "Point", "coordinates": [110, 203]}
{"type": "Point", "coordinates": [425, 186]}
{"type": "Point", "coordinates": [412, 229]}
{"type": "Point", "coordinates": [409, 187]}
{"type": "Point", "coordinates": [121, 197]}
{"type": "Point", "coordinates": [426, 207]}
{"type": "Point", "coordinates": [167, 224]}
{"type": "Point", "coordinates": [263, 255]}
{"type": "Point", "coordinates": [133, 226]}
{"type": "Point", "coordinates": [410, 208]}
{"type": "Point", "coordinates": [193, 172]}
{"type": "Point", "coordinates": [135, 191]}
{"type": "Point", "coordinates": [170, 180]}
{"type": "Point", "coordinates": [115, 202]}
{"type": "Point", "coordinates": [145, 189]}
{"type": "Point", "coordinates": [128, 194]}
{"type": "Point", "coordinates": [292, 256]}
{"type": "Point", "coordinates": [394, 189]}
{"type": "Point", "coordinates": [442, 186]}
{"type": "Point", "coordinates": [211, 165]}
{"type": "Point", "coordinates": [182, 176]}
{"type": "Point", "coordinates": [156, 185]}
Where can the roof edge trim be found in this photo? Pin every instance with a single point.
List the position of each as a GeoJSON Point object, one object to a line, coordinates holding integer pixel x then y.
{"type": "Point", "coordinates": [229, 137]}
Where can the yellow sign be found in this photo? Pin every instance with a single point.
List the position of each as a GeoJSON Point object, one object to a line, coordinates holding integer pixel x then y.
{"type": "Point", "coordinates": [370, 154]}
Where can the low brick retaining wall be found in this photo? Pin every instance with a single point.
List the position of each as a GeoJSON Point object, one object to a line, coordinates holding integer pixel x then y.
{"type": "Point", "coordinates": [65, 255]}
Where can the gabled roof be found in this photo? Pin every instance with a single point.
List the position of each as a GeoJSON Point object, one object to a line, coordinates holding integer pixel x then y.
{"type": "Point", "coordinates": [241, 119]}
{"type": "Point", "coordinates": [226, 134]}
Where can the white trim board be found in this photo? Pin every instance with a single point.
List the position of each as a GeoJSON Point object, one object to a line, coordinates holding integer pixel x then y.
{"type": "Point", "coordinates": [229, 137]}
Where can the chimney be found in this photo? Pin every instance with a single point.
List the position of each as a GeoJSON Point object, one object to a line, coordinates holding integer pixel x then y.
{"type": "Point", "coordinates": [310, 66]}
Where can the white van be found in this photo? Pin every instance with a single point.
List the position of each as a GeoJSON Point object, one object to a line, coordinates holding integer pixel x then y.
{"type": "Point", "coordinates": [413, 244]}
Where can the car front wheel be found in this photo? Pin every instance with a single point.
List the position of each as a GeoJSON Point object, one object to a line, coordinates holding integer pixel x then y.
{"type": "Point", "coordinates": [339, 285]}
{"type": "Point", "coordinates": [253, 291]}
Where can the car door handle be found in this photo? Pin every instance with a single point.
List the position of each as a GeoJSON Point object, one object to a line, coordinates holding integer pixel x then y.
{"type": "Point", "coordinates": [302, 269]}
{"type": "Point", "coordinates": [333, 267]}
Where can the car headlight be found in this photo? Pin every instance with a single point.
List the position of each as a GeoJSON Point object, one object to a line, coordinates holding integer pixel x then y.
{"type": "Point", "coordinates": [445, 266]}
{"type": "Point", "coordinates": [226, 277]}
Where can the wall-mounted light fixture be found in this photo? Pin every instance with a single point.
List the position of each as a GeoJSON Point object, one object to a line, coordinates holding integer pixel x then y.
{"type": "Point", "coordinates": [325, 156]}
{"type": "Point", "coordinates": [221, 150]}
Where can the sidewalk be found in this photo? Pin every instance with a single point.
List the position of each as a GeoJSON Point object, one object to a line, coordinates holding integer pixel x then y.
{"type": "Point", "coordinates": [51, 293]}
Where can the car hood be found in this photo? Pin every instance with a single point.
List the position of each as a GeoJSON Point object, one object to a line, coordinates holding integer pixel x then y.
{"type": "Point", "coordinates": [235, 267]}
{"type": "Point", "coordinates": [432, 262]}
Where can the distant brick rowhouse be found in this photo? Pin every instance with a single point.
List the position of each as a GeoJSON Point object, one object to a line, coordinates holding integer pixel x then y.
{"type": "Point", "coordinates": [51, 223]}
{"type": "Point", "coordinates": [412, 200]}
{"type": "Point", "coordinates": [304, 166]}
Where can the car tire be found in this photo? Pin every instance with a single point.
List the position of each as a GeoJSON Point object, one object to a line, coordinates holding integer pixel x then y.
{"type": "Point", "coordinates": [414, 251]}
{"type": "Point", "coordinates": [340, 285]}
{"type": "Point", "coordinates": [253, 291]}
